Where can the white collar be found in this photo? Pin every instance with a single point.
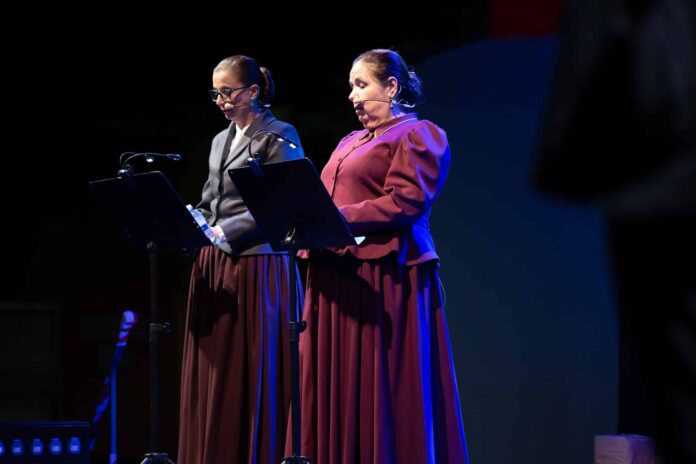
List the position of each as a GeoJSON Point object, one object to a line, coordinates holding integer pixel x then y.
{"type": "Point", "coordinates": [238, 131]}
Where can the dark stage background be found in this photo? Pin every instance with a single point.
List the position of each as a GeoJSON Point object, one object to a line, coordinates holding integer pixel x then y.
{"type": "Point", "coordinates": [528, 303]}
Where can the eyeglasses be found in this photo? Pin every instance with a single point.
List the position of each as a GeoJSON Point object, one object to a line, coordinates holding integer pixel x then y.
{"type": "Point", "coordinates": [225, 92]}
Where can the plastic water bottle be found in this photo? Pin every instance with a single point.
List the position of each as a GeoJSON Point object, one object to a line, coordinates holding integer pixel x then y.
{"type": "Point", "coordinates": [74, 446]}
{"type": "Point", "coordinates": [37, 447]}
{"type": "Point", "coordinates": [17, 447]}
{"type": "Point", "coordinates": [55, 447]}
{"type": "Point", "coordinates": [202, 223]}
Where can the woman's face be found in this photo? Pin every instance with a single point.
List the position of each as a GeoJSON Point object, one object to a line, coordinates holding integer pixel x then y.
{"type": "Point", "coordinates": [370, 97]}
{"type": "Point", "coordinates": [234, 99]}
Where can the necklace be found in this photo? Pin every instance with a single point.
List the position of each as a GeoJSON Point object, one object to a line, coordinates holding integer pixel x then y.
{"type": "Point", "coordinates": [391, 127]}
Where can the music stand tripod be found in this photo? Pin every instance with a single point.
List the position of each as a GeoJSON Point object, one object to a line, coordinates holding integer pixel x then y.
{"type": "Point", "coordinates": [292, 207]}
{"type": "Point", "coordinates": [155, 219]}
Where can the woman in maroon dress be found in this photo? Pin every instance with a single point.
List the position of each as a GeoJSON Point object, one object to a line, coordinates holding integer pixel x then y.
{"type": "Point", "coordinates": [378, 383]}
{"type": "Point", "coordinates": [235, 384]}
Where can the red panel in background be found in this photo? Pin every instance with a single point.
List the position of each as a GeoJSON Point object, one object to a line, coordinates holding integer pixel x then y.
{"type": "Point", "coordinates": [521, 18]}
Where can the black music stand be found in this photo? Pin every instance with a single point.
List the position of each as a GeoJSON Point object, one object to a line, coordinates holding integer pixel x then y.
{"type": "Point", "coordinates": [292, 207]}
{"type": "Point", "coordinates": [155, 219]}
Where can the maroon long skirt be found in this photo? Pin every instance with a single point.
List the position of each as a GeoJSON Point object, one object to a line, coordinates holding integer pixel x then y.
{"type": "Point", "coordinates": [235, 384]}
{"type": "Point", "coordinates": [378, 383]}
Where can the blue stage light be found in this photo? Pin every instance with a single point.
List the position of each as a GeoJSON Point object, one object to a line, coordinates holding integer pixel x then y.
{"type": "Point", "coordinates": [37, 447]}
{"type": "Point", "coordinates": [74, 446]}
{"type": "Point", "coordinates": [17, 447]}
{"type": "Point", "coordinates": [56, 447]}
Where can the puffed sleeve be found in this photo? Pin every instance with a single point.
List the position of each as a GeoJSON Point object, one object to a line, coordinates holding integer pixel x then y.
{"type": "Point", "coordinates": [415, 177]}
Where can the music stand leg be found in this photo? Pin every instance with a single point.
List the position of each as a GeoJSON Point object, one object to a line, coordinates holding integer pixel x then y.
{"type": "Point", "coordinates": [296, 326]}
{"type": "Point", "coordinates": [153, 458]}
{"type": "Point", "coordinates": [155, 329]}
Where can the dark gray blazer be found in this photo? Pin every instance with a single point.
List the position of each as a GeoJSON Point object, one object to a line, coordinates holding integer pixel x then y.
{"type": "Point", "coordinates": [221, 203]}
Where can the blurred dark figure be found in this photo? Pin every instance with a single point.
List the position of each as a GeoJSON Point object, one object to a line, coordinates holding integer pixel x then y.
{"type": "Point", "coordinates": [620, 134]}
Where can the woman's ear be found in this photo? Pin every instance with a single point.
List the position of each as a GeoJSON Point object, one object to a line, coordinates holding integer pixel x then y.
{"type": "Point", "coordinates": [254, 91]}
{"type": "Point", "coordinates": [392, 87]}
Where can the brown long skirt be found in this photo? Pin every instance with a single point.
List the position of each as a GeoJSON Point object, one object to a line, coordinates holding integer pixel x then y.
{"type": "Point", "coordinates": [378, 383]}
{"type": "Point", "coordinates": [235, 383]}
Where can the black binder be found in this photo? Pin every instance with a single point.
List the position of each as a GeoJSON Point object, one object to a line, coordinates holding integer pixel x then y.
{"type": "Point", "coordinates": [288, 196]}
